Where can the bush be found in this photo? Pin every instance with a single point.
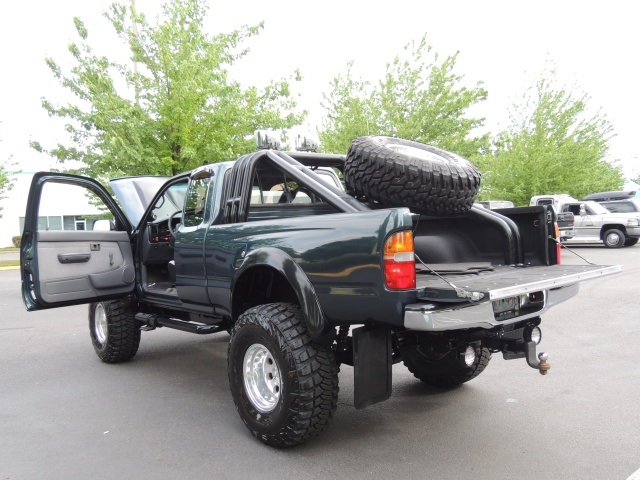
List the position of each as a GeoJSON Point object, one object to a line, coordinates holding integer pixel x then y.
{"type": "Point", "coordinates": [16, 241]}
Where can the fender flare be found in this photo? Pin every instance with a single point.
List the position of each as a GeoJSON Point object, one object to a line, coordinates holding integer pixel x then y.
{"type": "Point", "coordinates": [317, 326]}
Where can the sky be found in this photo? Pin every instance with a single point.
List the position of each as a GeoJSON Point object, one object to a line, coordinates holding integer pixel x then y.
{"type": "Point", "coordinates": [505, 44]}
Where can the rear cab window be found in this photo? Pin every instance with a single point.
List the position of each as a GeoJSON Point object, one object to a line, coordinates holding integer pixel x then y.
{"type": "Point", "coordinates": [275, 195]}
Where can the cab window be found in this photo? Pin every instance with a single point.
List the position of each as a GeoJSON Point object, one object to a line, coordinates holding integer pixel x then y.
{"type": "Point", "coordinates": [274, 194]}
{"type": "Point", "coordinates": [71, 207]}
{"type": "Point", "coordinates": [195, 202]}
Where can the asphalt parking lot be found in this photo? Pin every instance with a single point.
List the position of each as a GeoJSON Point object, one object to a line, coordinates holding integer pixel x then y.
{"type": "Point", "coordinates": [168, 413]}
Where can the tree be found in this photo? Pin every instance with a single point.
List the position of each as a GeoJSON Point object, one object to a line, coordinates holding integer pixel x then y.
{"type": "Point", "coordinates": [348, 113]}
{"type": "Point", "coordinates": [419, 98]}
{"type": "Point", "coordinates": [5, 183]}
{"type": "Point", "coordinates": [174, 108]}
{"type": "Point", "coordinates": [6, 179]}
{"type": "Point", "coordinates": [552, 146]}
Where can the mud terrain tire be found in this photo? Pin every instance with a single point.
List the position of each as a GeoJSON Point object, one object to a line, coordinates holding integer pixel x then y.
{"type": "Point", "coordinates": [115, 334]}
{"type": "Point", "coordinates": [284, 385]}
{"type": "Point", "coordinates": [401, 173]}
{"type": "Point", "coordinates": [443, 372]}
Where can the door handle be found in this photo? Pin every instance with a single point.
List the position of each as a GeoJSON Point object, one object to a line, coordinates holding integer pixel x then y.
{"type": "Point", "coordinates": [74, 257]}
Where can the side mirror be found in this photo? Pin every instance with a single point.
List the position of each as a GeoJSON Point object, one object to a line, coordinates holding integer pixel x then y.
{"type": "Point", "coordinates": [103, 225]}
{"type": "Point", "coordinates": [202, 173]}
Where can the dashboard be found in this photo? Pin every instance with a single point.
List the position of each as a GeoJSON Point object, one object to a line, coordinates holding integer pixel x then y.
{"type": "Point", "coordinates": [157, 248]}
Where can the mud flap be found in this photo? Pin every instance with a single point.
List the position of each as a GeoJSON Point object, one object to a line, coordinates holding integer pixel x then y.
{"type": "Point", "coordinates": [372, 364]}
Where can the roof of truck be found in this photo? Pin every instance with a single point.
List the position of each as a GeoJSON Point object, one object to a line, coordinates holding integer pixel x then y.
{"type": "Point", "coordinates": [615, 195]}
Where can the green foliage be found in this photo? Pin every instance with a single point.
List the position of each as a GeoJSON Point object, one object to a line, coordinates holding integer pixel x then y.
{"type": "Point", "coordinates": [419, 98]}
{"type": "Point", "coordinates": [348, 113]}
{"type": "Point", "coordinates": [552, 146]}
{"type": "Point", "coordinates": [6, 180]}
{"type": "Point", "coordinates": [16, 240]}
{"type": "Point", "coordinates": [174, 108]}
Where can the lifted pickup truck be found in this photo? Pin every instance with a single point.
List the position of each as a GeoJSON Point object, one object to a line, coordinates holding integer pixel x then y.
{"type": "Point", "coordinates": [272, 249]}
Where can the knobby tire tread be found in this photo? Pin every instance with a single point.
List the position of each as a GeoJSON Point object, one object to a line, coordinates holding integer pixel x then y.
{"type": "Point", "coordinates": [392, 179]}
{"type": "Point", "coordinates": [316, 399]}
{"type": "Point", "coordinates": [453, 376]}
{"type": "Point", "coordinates": [123, 339]}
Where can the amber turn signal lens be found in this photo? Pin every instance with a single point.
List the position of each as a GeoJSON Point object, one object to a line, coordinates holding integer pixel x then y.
{"type": "Point", "coordinates": [399, 261]}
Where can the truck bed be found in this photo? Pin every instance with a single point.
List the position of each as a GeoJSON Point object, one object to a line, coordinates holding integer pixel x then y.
{"type": "Point", "coordinates": [495, 282]}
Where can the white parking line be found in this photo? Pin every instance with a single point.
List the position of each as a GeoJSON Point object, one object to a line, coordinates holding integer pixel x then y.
{"type": "Point", "coordinates": [635, 476]}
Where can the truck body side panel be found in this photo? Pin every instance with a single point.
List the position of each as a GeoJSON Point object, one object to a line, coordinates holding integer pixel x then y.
{"type": "Point", "coordinates": [339, 253]}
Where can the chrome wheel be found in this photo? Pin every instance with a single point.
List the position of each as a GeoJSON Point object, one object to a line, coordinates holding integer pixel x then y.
{"type": "Point", "coordinates": [101, 327]}
{"type": "Point", "coordinates": [613, 239]}
{"type": "Point", "coordinates": [261, 378]}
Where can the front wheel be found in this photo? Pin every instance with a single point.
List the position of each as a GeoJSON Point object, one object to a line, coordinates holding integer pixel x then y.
{"type": "Point", "coordinates": [443, 370]}
{"type": "Point", "coordinates": [613, 238]}
{"type": "Point", "coordinates": [284, 385]}
{"type": "Point", "coordinates": [114, 332]}
{"type": "Point", "coordinates": [630, 242]}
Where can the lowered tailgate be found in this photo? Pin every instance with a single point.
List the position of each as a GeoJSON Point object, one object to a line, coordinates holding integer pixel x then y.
{"type": "Point", "coordinates": [492, 296]}
{"type": "Point", "coordinates": [440, 284]}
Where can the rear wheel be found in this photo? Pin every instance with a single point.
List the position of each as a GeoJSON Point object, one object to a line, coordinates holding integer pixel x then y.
{"type": "Point", "coordinates": [114, 332]}
{"type": "Point", "coordinates": [613, 238]}
{"type": "Point", "coordinates": [284, 385]}
{"type": "Point", "coordinates": [443, 370]}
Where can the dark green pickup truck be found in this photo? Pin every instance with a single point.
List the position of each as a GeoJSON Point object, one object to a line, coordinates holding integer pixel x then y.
{"type": "Point", "coordinates": [304, 275]}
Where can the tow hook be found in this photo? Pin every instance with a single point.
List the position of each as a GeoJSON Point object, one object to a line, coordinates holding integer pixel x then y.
{"type": "Point", "coordinates": [540, 362]}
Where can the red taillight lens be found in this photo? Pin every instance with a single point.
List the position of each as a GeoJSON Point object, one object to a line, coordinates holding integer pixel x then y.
{"type": "Point", "coordinates": [399, 261]}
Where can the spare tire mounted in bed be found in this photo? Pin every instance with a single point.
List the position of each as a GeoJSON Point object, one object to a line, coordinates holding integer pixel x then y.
{"type": "Point", "coordinates": [401, 173]}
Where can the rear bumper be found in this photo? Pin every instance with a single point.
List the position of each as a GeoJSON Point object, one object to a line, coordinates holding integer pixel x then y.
{"type": "Point", "coordinates": [441, 310]}
{"type": "Point", "coordinates": [424, 317]}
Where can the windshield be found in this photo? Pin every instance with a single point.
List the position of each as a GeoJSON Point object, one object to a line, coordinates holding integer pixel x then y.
{"type": "Point", "coordinates": [170, 202]}
{"type": "Point", "coordinates": [135, 194]}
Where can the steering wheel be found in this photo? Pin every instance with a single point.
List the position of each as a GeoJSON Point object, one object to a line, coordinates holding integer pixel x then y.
{"type": "Point", "coordinates": [170, 225]}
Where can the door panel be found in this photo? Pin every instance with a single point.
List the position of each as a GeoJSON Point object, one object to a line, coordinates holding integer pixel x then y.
{"type": "Point", "coordinates": [76, 245]}
{"type": "Point", "coordinates": [81, 264]}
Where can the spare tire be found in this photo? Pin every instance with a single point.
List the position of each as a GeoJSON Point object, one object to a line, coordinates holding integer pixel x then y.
{"type": "Point", "coordinates": [401, 173]}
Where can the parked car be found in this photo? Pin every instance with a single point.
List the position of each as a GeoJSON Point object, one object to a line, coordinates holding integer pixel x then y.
{"type": "Point", "coordinates": [594, 223]}
{"type": "Point", "coordinates": [307, 276]}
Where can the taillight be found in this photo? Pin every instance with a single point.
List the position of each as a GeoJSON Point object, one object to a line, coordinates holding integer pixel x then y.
{"type": "Point", "coordinates": [399, 261]}
{"type": "Point", "coordinates": [558, 246]}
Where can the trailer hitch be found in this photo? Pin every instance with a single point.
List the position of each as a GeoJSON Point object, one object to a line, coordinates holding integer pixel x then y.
{"type": "Point", "coordinates": [540, 362]}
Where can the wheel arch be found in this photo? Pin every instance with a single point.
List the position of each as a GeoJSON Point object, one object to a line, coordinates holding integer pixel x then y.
{"type": "Point", "coordinates": [610, 226]}
{"type": "Point", "coordinates": [269, 275]}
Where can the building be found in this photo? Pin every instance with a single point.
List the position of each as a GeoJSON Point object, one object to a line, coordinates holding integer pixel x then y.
{"type": "Point", "coordinates": [61, 208]}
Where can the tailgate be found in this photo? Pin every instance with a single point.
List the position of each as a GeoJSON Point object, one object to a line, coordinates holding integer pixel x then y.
{"type": "Point", "coordinates": [488, 282]}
